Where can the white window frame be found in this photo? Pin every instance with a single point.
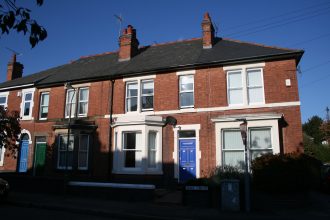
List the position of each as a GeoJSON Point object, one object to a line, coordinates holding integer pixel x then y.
{"type": "Point", "coordinates": [251, 87]}
{"type": "Point", "coordinates": [82, 101]}
{"type": "Point", "coordinates": [143, 124]}
{"type": "Point", "coordinates": [259, 149]}
{"type": "Point", "coordinates": [186, 91]}
{"type": "Point", "coordinates": [139, 81]}
{"type": "Point", "coordinates": [135, 150]}
{"type": "Point", "coordinates": [84, 151]}
{"type": "Point", "coordinates": [223, 150]}
{"type": "Point", "coordinates": [244, 71]}
{"type": "Point", "coordinates": [130, 97]}
{"type": "Point", "coordinates": [235, 88]}
{"type": "Point", "coordinates": [75, 102]}
{"type": "Point", "coordinates": [24, 92]}
{"type": "Point", "coordinates": [65, 151]}
{"type": "Point", "coordinates": [41, 106]}
{"type": "Point", "coordinates": [5, 94]}
{"type": "Point", "coordinates": [152, 150]}
{"type": "Point", "coordinates": [147, 95]}
{"type": "Point", "coordinates": [2, 155]}
{"type": "Point", "coordinates": [221, 125]}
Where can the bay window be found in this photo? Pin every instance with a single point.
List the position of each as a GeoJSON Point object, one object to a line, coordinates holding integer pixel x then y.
{"type": "Point", "coordinates": [152, 149]}
{"type": "Point", "coordinates": [132, 149]}
{"type": "Point", "coordinates": [138, 147]}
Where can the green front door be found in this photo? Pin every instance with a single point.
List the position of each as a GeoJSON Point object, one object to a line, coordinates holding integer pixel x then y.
{"type": "Point", "coordinates": [40, 158]}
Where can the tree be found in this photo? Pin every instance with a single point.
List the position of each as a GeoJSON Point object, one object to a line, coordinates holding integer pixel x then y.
{"type": "Point", "coordinates": [10, 130]}
{"type": "Point", "coordinates": [312, 129]}
{"type": "Point", "coordinates": [13, 17]}
{"type": "Point", "coordinates": [325, 128]}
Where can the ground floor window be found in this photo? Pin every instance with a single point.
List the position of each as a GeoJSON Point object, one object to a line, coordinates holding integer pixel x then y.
{"type": "Point", "coordinates": [65, 152]}
{"type": "Point", "coordinates": [262, 138]}
{"type": "Point", "coordinates": [73, 151]}
{"type": "Point", "coordinates": [259, 143]}
{"type": "Point", "coordinates": [132, 149]}
{"type": "Point", "coordinates": [138, 148]}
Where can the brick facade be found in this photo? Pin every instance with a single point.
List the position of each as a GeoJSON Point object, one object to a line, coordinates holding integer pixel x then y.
{"type": "Point", "coordinates": [280, 109]}
{"type": "Point", "coordinates": [210, 91]}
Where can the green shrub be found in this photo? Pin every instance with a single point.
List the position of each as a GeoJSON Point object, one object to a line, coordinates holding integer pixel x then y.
{"type": "Point", "coordinates": [226, 172]}
{"type": "Point", "coordinates": [321, 152]}
{"type": "Point", "coordinates": [286, 172]}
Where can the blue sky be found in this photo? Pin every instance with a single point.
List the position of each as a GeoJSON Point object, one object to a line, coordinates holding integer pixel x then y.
{"type": "Point", "coordinates": [81, 27]}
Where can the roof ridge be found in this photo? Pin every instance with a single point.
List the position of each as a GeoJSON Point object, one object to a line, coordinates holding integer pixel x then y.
{"type": "Point", "coordinates": [141, 47]}
{"type": "Point", "coordinates": [258, 44]}
{"type": "Point", "coordinates": [95, 55]}
{"type": "Point", "coordinates": [173, 42]}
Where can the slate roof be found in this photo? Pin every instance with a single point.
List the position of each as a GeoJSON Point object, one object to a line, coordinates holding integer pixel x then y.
{"type": "Point", "coordinates": [155, 58]}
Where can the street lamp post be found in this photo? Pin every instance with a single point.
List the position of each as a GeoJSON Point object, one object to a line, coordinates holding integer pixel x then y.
{"type": "Point", "coordinates": [243, 129]}
{"type": "Point", "coordinates": [68, 86]}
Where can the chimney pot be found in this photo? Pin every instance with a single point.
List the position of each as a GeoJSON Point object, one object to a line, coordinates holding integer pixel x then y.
{"type": "Point", "coordinates": [14, 69]}
{"type": "Point", "coordinates": [128, 44]}
{"type": "Point", "coordinates": [208, 31]}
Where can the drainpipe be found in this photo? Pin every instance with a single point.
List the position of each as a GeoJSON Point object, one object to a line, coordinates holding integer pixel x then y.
{"type": "Point", "coordinates": [110, 131]}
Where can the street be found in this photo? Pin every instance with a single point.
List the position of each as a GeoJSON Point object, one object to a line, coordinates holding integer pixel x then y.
{"type": "Point", "coordinates": [13, 212]}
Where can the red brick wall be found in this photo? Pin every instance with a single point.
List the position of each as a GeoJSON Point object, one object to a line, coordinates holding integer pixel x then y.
{"type": "Point", "coordinates": [275, 74]}
{"type": "Point", "coordinates": [210, 91]}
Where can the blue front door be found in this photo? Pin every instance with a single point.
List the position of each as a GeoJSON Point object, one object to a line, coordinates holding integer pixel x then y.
{"type": "Point", "coordinates": [187, 155]}
{"type": "Point", "coordinates": [23, 159]}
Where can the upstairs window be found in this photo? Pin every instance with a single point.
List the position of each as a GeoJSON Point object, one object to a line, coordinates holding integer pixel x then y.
{"type": "Point", "coordinates": [147, 95]}
{"type": "Point", "coordinates": [186, 91]}
{"type": "Point", "coordinates": [235, 88]}
{"type": "Point", "coordinates": [245, 87]}
{"type": "Point", "coordinates": [27, 104]}
{"type": "Point", "coordinates": [74, 96]}
{"type": "Point", "coordinates": [139, 95]}
{"type": "Point", "coordinates": [44, 102]}
{"type": "Point", "coordinates": [3, 99]}
{"type": "Point", "coordinates": [131, 96]}
{"type": "Point", "coordinates": [83, 102]}
{"type": "Point", "coordinates": [255, 88]}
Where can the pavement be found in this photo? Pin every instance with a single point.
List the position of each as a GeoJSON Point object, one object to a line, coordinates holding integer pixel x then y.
{"type": "Point", "coordinates": [317, 207]}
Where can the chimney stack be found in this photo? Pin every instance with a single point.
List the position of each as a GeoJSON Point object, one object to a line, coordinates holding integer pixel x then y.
{"type": "Point", "coordinates": [208, 31]}
{"type": "Point", "coordinates": [14, 69]}
{"type": "Point", "coordinates": [128, 44]}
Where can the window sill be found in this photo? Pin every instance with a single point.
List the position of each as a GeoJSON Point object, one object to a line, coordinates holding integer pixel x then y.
{"type": "Point", "coordinates": [185, 107]}
{"type": "Point", "coordinates": [26, 118]}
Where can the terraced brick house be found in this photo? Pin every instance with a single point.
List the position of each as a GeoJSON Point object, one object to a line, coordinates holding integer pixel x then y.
{"type": "Point", "coordinates": [161, 114]}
